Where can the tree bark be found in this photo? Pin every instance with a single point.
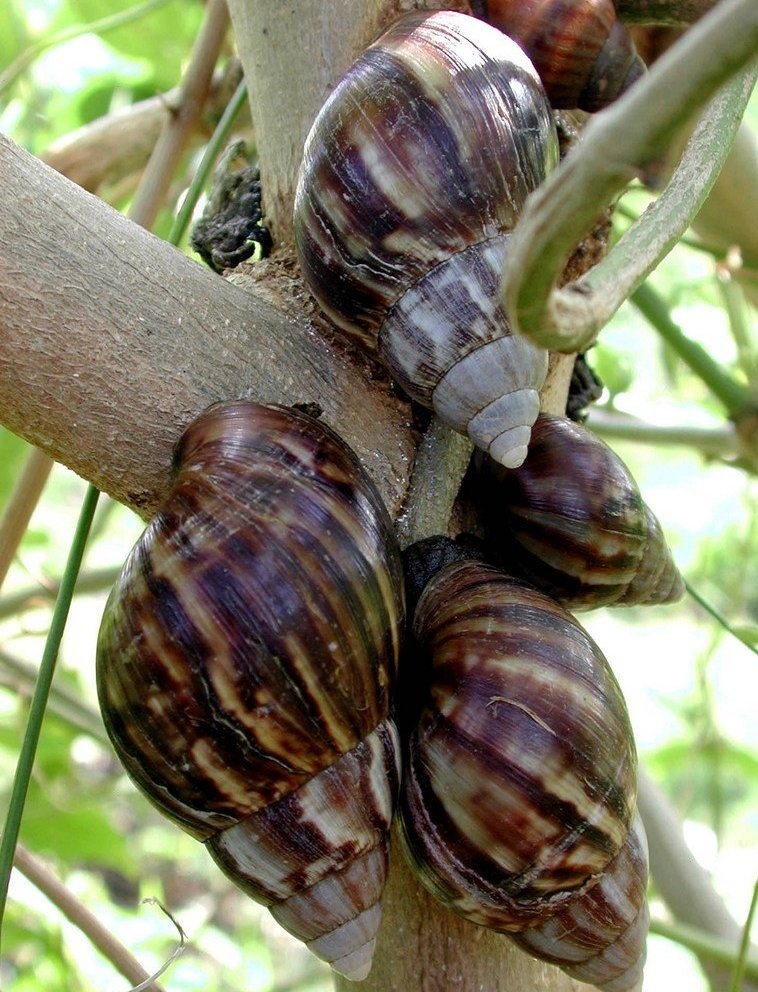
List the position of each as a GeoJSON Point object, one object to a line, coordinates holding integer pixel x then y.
{"type": "Point", "coordinates": [111, 341]}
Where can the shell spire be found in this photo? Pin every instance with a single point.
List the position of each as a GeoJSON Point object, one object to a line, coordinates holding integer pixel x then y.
{"type": "Point", "coordinates": [571, 520]}
{"type": "Point", "coordinates": [245, 665]}
{"type": "Point", "coordinates": [413, 176]}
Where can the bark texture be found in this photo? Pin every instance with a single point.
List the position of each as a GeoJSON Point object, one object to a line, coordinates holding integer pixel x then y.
{"type": "Point", "coordinates": [111, 342]}
{"type": "Point", "coordinates": [425, 948]}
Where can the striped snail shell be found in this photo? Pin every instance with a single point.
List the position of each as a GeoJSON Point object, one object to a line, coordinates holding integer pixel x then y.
{"type": "Point", "coordinates": [585, 56]}
{"type": "Point", "coordinates": [519, 789]}
{"type": "Point", "coordinates": [572, 521]}
{"type": "Point", "coordinates": [245, 665]}
{"type": "Point", "coordinates": [601, 937]}
{"type": "Point", "coordinates": [413, 176]}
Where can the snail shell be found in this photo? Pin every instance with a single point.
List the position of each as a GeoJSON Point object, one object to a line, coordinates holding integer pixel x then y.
{"type": "Point", "coordinates": [413, 175]}
{"type": "Point", "coordinates": [245, 663]}
{"type": "Point", "coordinates": [585, 56]}
{"type": "Point", "coordinates": [601, 937]}
{"type": "Point", "coordinates": [521, 777]}
{"type": "Point", "coordinates": [571, 519]}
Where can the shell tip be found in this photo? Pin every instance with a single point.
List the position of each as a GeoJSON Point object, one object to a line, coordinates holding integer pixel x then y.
{"type": "Point", "coordinates": [356, 965]}
{"type": "Point", "coordinates": [513, 457]}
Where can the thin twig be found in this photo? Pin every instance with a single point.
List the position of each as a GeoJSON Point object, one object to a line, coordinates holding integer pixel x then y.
{"type": "Point", "coordinates": [21, 677]}
{"type": "Point", "coordinates": [706, 946]}
{"type": "Point", "coordinates": [742, 965]}
{"type": "Point", "coordinates": [621, 140]}
{"type": "Point", "coordinates": [179, 127]}
{"type": "Point", "coordinates": [26, 599]}
{"type": "Point", "coordinates": [684, 885]}
{"type": "Point", "coordinates": [735, 397]}
{"type": "Point", "coordinates": [19, 64]}
{"type": "Point", "coordinates": [21, 506]}
{"type": "Point", "coordinates": [714, 442]}
{"type": "Point", "coordinates": [719, 617]}
{"type": "Point", "coordinates": [211, 153]}
{"type": "Point", "coordinates": [75, 911]}
{"type": "Point", "coordinates": [440, 465]}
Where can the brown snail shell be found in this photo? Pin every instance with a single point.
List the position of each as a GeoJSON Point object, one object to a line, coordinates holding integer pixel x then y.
{"type": "Point", "coordinates": [572, 520]}
{"type": "Point", "coordinates": [601, 936]}
{"type": "Point", "coordinates": [245, 663]}
{"type": "Point", "coordinates": [585, 56]}
{"type": "Point", "coordinates": [521, 777]}
{"type": "Point", "coordinates": [413, 176]}
{"type": "Point", "coordinates": [518, 796]}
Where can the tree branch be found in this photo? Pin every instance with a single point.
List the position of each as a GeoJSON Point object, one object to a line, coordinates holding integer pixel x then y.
{"type": "Point", "coordinates": [111, 342]}
{"type": "Point", "coordinates": [75, 911]}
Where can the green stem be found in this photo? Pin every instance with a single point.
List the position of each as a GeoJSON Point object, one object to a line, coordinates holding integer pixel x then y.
{"type": "Point", "coordinates": [718, 617]}
{"type": "Point", "coordinates": [741, 964]}
{"type": "Point", "coordinates": [41, 692]}
{"type": "Point", "coordinates": [615, 145]}
{"type": "Point", "coordinates": [705, 945]}
{"type": "Point", "coordinates": [740, 326]}
{"type": "Point", "coordinates": [210, 155]}
{"type": "Point", "coordinates": [734, 396]}
{"type": "Point", "coordinates": [19, 64]}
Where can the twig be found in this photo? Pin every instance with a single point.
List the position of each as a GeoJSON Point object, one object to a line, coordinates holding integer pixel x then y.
{"type": "Point", "coordinates": [87, 582]}
{"type": "Point", "coordinates": [211, 153]}
{"type": "Point", "coordinates": [75, 911]}
{"type": "Point", "coordinates": [719, 617]}
{"type": "Point", "coordinates": [731, 393]}
{"type": "Point", "coordinates": [118, 145]}
{"type": "Point", "coordinates": [21, 676]}
{"type": "Point", "coordinates": [714, 442]}
{"type": "Point", "coordinates": [14, 70]}
{"type": "Point", "coordinates": [617, 142]}
{"type": "Point", "coordinates": [683, 884]}
{"type": "Point", "coordinates": [21, 506]}
{"type": "Point", "coordinates": [177, 130]}
{"type": "Point", "coordinates": [742, 966]}
{"type": "Point", "coordinates": [705, 945]}
{"type": "Point", "coordinates": [441, 462]}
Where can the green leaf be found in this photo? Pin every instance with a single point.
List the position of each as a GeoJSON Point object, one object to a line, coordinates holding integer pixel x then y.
{"type": "Point", "coordinates": [160, 39]}
{"type": "Point", "coordinates": [748, 635]}
{"type": "Point", "coordinates": [82, 834]}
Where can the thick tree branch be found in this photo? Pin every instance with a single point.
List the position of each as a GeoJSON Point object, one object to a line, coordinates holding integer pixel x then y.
{"type": "Point", "coordinates": [111, 341]}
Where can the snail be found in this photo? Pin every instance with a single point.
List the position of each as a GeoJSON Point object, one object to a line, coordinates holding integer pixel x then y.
{"type": "Point", "coordinates": [413, 176]}
{"type": "Point", "coordinates": [571, 520]}
{"type": "Point", "coordinates": [585, 56]}
{"type": "Point", "coordinates": [245, 665]}
{"type": "Point", "coordinates": [519, 788]}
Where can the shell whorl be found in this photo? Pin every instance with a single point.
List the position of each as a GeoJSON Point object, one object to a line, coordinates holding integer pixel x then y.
{"type": "Point", "coordinates": [585, 56]}
{"type": "Point", "coordinates": [414, 172]}
{"type": "Point", "coordinates": [520, 782]}
{"type": "Point", "coordinates": [250, 647]}
{"type": "Point", "coordinates": [571, 520]}
{"type": "Point", "coordinates": [600, 937]}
